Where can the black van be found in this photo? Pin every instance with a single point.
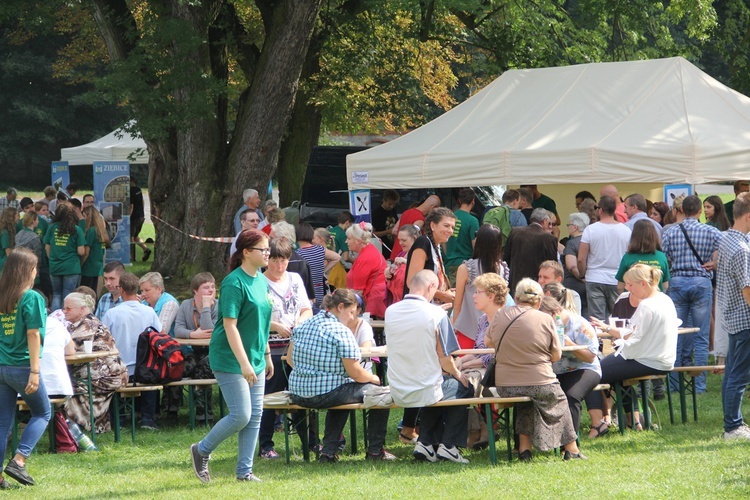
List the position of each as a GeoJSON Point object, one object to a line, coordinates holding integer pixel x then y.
{"type": "Point", "coordinates": [325, 192]}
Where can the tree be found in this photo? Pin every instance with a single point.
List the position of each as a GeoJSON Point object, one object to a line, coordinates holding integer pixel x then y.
{"type": "Point", "coordinates": [170, 65]}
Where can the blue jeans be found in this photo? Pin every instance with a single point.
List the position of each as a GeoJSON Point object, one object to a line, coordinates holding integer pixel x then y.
{"type": "Point", "coordinates": [13, 381]}
{"type": "Point", "coordinates": [245, 405]}
{"type": "Point", "coordinates": [61, 287]}
{"type": "Point", "coordinates": [692, 299]}
{"type": "Point", "coordinates": [736, 378]}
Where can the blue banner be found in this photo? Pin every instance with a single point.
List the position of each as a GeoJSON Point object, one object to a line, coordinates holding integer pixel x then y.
{"type": "Point", "coordinates": [60, 175]}
{"type": "Point", "coordinates": [359, 205]}
{"type": "Point", "coordinates": [112, 195]}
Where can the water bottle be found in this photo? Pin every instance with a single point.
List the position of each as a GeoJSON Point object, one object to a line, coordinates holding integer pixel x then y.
{"type": "Point", "coordinates": [84, 441]}
{"type": "Point", "coordinates": [560, 328]}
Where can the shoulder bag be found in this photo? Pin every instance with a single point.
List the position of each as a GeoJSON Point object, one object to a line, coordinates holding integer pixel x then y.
{"type": "Point", "coordinates": [489, 376]}
{"type": "Point", "coordinates": [695, 252]}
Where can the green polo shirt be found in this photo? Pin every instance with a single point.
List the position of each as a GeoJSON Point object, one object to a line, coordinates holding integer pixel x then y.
{"type": "Point", "coordinates": [339, 236]}
{"type": "Point", "coordinates": [30, 314]}
{"type": "Point", "coordinates": [4, 244]}
{"type": "Point", "coordinates": [63, 255]}
{"type": "Point", "coordinates": [246, 299]}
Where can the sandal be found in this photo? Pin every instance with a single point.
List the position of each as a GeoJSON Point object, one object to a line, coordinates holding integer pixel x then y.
{"type": "Point", "coordinates": [599, 431]}
{"type": "Point", "coordinates": [406, 439]}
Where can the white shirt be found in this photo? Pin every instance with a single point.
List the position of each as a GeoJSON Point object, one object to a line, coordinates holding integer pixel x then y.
{"type": "Point", "coordinates": [126, 322]}
{"type": "Point", "coordinates": [654, 340]}
{"type": "Point", "coordinates": [364, 334]}
{"type": "Point", "coordinates": [607, 244]}
{"type": "Point", "coordinates": [52, 367]}
{"type": "Point", "coordinates": [414, 372]}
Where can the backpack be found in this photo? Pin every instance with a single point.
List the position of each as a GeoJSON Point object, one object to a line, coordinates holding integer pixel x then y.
{"type": "Point", "coordinates": [500, 218]}
{"type": "Point", "coordinates": [64, 440]}
{"type": "Point", "coordinates": [158, 358]}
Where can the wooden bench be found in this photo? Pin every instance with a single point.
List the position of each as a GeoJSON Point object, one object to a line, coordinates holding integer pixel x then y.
{"type": "Point", "coordinates": [130, 392]}
{"type": "Point", "coordinates": [503, 419]}
{"type": "Point", "coordinates": [191, 384]}
{"type": "Point", "coordinates": [686, 376]}
{"type": "Point", "coordinates": [22, 406]}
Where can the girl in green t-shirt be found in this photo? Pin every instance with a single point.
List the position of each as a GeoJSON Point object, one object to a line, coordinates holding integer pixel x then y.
{"type": "Point", "coordinates": [97, 240]}
{"type": "Point", "coordinates": [239, 354]}
{"type": "Point", "coordinates": [64, 243]}
{"type": "Point", "coordinates": [22, 319]}
{"type": "Point", "coordinates": [8, 220]}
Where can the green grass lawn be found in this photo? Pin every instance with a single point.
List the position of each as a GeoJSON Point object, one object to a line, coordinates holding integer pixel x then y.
{"type": "Point", "coordinates": [678, 461]}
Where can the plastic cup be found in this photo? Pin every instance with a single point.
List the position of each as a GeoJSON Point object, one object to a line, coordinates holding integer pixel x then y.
{"type": "Point", "coordinates": [88, 346]}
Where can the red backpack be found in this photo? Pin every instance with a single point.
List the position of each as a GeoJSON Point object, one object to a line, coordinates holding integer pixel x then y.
{"type": "Point", "coordinates": [64, 440]}
{"type": "Point", "coordinates": [158, 359]}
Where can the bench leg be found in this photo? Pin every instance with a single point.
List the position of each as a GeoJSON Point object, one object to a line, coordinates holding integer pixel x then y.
{"type": "Point", "coordinates": [116, 423]}
{"type": "Point", "coordinates": [683, 399]}
{"type": "Point", "coordinates": [353, 430]}
{"type": "Point", "coordinates": [669, 402]}
{"type": "Point", "coordinates": [191, 406]}
{"type": "Point", "coordinates": [285, 419]}
{"type": "Point", "coordinates": [490, 433]}
{"type": "Point", "coordinates": [620, 410]}
{"type": "Point", "coordinates": [132, 419]}
{"type": "Point", "coordinates": [51, 430]}
{"type": "Point", "coordinates": [695, 398]}
{"type": "Point", "coordinates": [365, 414]}
{"type": "Point", "coordinates": [646, 408]}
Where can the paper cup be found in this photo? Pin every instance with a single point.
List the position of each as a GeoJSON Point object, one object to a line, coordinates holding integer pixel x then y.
{"type": "Point", "coordinates": [366, 317]}
{"type": "Point", "coordinates": [88, 346]}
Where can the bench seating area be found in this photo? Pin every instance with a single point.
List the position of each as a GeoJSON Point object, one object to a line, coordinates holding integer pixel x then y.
{"type": "Point", "coordinates": [686, 384]}
{"type": "Point", "coordinates": [190, 384]}
{"type": "Point", "coordinates": [502, 419]}
{"type": "Point", "coordinates": [22, 406]}
{"type": "Point", "coordinates": [128, 395]}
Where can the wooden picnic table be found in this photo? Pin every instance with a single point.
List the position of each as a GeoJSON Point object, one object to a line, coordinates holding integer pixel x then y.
{"type": "Point", "coordinates": [680, 331]}
{"type": "Point", "coordinates": [382, 351]}
{"type": "Point", "coordinates": [86, 358]}
{"type": "Point", "coordinates": [194, 342]}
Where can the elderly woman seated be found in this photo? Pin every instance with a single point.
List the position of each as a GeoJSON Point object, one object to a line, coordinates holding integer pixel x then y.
{"type": "Point", "coordinates": [107, 374]}
{"type": "Point", "coordinates": [327, 372]}
{"type": "Point", "coordinates": [366, 277]}
{"type": "Point", "coordinates": [528, 345]}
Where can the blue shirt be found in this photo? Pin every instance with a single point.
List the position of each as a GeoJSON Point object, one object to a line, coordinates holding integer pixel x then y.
{"type": "Point", "coordinates": [126, 322]}
{"type": "Point", "coordinates": [580, 332]}
{"type": "Point", "coordinates": [733, 275]}
{"type": "Point", "coordinates": [105, 304]}
{"type": "Point", "coordinates": [682, 261]}
{"type": "Point", "coordinates": [319, 345]}
{"type": "Point", "coordinates": [643, 216]}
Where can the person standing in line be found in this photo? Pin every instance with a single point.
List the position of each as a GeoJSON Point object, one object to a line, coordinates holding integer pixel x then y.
{"type": "Point", "coordinates": [733, 301]}
{"type": "Point", "coordinates": [64, 244]}
{"type": "Point", "coordinates": [460, 245]}
{"type": "Point", "coordinates": [22, 321]}
{"type": "Point", "coordinates": [739, 187]}
{"type": "Point", "coordinates": [137, 218]}
{"type": "Point", "coordinates": [384, 218]}
{"type": "Point", "coordinates": [97, 240]}
{"type": "Point", "coordinates": [415, 216]}
{"type": "Point", "coordinates": [239, 354]}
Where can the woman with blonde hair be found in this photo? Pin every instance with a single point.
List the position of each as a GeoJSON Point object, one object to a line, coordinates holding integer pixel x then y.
{"type": "Point", "coordinates": [527, 344]}
{"type": "Point", "coordinates": [649, 345]}
{"type": "Point", "coordinates": [97, 240]}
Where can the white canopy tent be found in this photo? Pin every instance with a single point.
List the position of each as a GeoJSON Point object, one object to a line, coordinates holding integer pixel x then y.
{"type": "Point", "coordinates": [657, 121]}
{"type": "Point", "coordinates": [118, 145]}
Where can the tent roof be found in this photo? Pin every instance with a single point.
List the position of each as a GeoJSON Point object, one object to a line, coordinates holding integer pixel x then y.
{"type": "Point", "coordinates": [661, 120]}
{"type": "Point", "coordinates": [118, 145]}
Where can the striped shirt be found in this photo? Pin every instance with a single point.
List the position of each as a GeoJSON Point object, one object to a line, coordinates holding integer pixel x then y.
{"type": "Point", "coordinates": [733, 275]}
{"type": "Point", "coordinates": [315, 256]}
{"type": "Point", "coordinates": [319, 344]}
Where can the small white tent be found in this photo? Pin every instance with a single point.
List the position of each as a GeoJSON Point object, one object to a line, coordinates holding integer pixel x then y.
{"type": "Point", "coordinates": [660, 121]}
{"type": "Point", "coordinates": [118, 145]}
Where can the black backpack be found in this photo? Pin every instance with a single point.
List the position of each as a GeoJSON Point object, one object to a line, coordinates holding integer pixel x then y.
{"type": "Point", "coordinates": [158, 359]}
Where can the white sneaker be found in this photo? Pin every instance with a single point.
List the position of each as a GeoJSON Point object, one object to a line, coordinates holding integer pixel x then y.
{"type": "Point", "coordinates": [452, 454]}
{"type": "Point", "coordinates": [741, 432]}
{"type": "Point", "coordinates": [424, 453]}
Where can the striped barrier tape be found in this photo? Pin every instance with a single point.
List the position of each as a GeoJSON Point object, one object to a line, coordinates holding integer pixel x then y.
{"type": "Point", "coordinates": [228, 239]}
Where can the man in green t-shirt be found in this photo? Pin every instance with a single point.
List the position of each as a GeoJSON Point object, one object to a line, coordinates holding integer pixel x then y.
{"type": "Point", "coordinates": [541, 200]}
{"type": "Point", "coordinates": [460, 246]}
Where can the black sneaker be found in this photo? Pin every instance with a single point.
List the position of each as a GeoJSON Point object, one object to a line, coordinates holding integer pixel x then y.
{"type": "Point", "coordinates": [342, 443]}
{"type": "Point", "coordinates": [525, 456]}
{"type": "Point", "coordinates": [324, 458]}
{"type": "Point", "coordinates": [19, 473]}
{"type": "Point", "coordinates": [150, 425]}
{"type": "Point", "coordinates": [200, 464]}
{"type": "Point", "coordinates": [574, 456]}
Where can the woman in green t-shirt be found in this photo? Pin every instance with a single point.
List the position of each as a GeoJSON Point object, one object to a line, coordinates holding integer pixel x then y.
{"type": "Point", "coordinates": [22, 320]}
{"type": "Point", "coordinates": [644, 248]}
{"type": "Point", "coordinates": [64, 243]}
{"type": "Point", "coordinates": [8, 220]}
{"type": "Point", "coordinates": [97, 240]}
{"type": "Point", "coordinates": [239, 354]}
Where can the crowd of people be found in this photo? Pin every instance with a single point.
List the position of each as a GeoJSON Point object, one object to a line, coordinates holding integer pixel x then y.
{"type": "Point", "coordinates": [291, 315]}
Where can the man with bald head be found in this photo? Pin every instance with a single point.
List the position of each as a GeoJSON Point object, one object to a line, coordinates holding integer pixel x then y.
{"type": "Point", "coordinates": [414, 216]}
{"type": "Point", "coordinates": [421, 370]}
{"type": "Point", "coordinates": [610, 190]}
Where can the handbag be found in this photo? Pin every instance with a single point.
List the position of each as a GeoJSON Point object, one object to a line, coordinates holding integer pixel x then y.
{"type": "Point", "coordinates": [695, 252]}
{"type": "Point", "coordinates": [489, 376]}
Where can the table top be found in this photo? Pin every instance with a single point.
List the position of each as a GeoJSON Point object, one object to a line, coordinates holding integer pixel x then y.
{"type": "Point", "coordinates": [382, 351]}
{"type": "Point", "coordinates": [82, 357]}
{"type": "Point", "coordinates": [377, 323]}
{"type": "Point", "coordinates": [680, 331]}
{"type": "Point", "coordinates": [194, 342]}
